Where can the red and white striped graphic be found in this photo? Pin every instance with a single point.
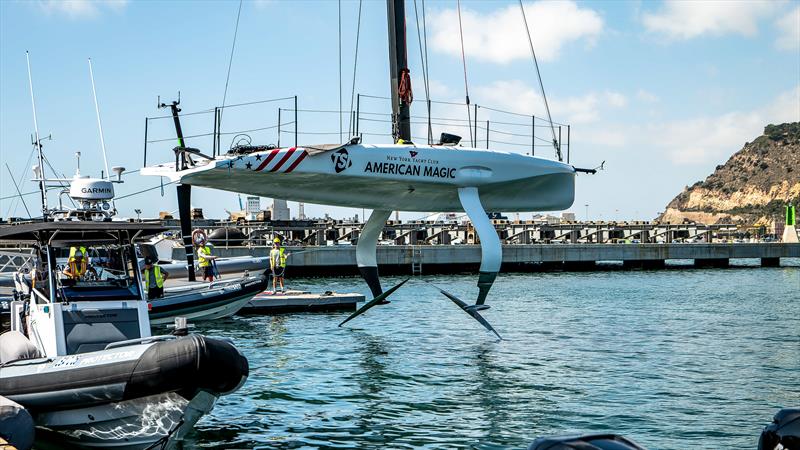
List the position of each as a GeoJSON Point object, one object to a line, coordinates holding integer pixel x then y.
{"type": "Point", "coordinates": [282, 160]}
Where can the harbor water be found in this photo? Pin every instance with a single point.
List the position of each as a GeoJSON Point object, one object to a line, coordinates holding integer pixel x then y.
{"type": "Point", "coordinates": [674, 359]}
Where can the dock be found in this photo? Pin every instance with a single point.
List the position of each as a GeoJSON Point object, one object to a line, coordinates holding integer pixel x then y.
{"type": "Point", "coordinates": [301, 301]}
{"type": "Point", "coordinates": [338, 260]}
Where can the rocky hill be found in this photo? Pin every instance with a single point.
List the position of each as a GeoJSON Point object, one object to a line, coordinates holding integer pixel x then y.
{"type": "Point", "coordinates": [751, 188]}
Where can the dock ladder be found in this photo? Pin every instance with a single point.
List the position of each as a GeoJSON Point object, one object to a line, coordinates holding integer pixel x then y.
{"type": "Point", "coordinates": [416, 261]}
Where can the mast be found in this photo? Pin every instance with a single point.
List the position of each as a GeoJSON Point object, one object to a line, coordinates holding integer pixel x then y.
{"type": "Point", "coordinates": [38, 143]}
{"type": "Point", "coordinates": [398, 69]}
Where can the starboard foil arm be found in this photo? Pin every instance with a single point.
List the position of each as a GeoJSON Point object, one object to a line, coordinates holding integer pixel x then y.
{"type": "Point", "coordinates": [491, 250]}
{"type": "Point", "coordinates": [491, 255]}
{"type": "Point", "coordinates": [471, 310]}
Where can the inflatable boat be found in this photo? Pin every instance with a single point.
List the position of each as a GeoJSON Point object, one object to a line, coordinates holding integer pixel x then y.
{"type": "Point", "coordinates": [206, 301]}
{"type": "Point", "coordinates": [80, 358]}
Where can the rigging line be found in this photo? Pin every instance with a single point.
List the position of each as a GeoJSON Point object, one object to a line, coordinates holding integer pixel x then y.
{"type": "Point", "coordinates": [427, 69]}
{"type": "Point", "coordinates": [556, 144]}
{"type": "Point", "coordinates": [146, 190]}
{"type": "Point", "coordinates": [424, 73]}
{"type": "Point", "coordinates": [355, 64]}
{"type": "Point", "coordinates": [60, 182]}
{"type": "Point", "coordinates": [464, 62]}
{"type": "Point", "coordinates": [341, 137]}
{"type": "Point", "coordinates": [230, 59]}
{"type": "Point", "coordinates": [8, 197]}
{"type": "Point", "coordinates": [27, 164]}
{"type": "Point", "coordinates": [18, 192]}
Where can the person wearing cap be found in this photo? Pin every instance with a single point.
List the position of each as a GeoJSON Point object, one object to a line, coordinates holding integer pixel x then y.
{"type": "Point", "coordinates": [277, 263]}
{"type": "Point", "coordinates": [77, 264]}
{"type": "Point", "coordinates": [154, 278]}
{"type": "Point", "coordinates": [205, 258]}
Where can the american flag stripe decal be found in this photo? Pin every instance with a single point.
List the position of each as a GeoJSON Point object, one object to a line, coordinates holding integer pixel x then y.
{"type": "Point", "coordinates": [296, 161]}
{"type": "Point", "coordinates": [269, 158]}
{"type": "Point", "coordinates": [284, 159]}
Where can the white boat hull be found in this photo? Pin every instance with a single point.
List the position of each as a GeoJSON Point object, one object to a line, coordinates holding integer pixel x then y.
{"type": "Point", "coordinates": [127, 425]}
{"type": "Point", "coordinates": [389, 177]}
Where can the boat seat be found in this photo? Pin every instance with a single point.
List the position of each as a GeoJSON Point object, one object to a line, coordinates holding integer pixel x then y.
{"type": "Point", "coordinates": [15, 346]}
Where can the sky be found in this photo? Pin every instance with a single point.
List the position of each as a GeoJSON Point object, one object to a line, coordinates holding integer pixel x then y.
{"type": "Point", "coordinates": [661, 91]}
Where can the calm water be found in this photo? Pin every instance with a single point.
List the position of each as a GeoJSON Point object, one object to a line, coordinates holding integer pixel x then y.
{"type": "Point", "coordinates": [675, 359]}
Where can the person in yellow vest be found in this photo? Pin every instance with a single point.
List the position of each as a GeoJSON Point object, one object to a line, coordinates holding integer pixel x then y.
{"type": "Point", "coordinates": [77, 264]}
{"type": "Point", "coordinates": [205, 257]}
{"type": "Point", "coordinates": [277, 263]}
{"type": "Point", "coordinates": [154, 278]}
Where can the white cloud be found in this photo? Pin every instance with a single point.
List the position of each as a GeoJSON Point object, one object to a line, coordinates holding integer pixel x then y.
{"type": "Point", "coordinates": [688, 19]}
{"type": "Point", "coordinates": [75, 9]}
{"type": "Point", "coordinates": [789, 28]}
{"type": "Point", "coordinates": [516, 96]}
{"type": "Point", "coordinates": [703, 139]}
{"type": "Point", "coordinates": [500, 36]}
{"type": "Point", "coordinates": [616, 99]}
{"type": "Point", "coordinates": [646, 96]}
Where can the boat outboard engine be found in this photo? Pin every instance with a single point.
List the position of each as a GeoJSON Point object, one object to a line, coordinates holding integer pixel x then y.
{"type": "Point", "coordinates": [783, 432]}
{"type": "Point", "coordinates": [587, 442]}
{"type": "Point", "coordinates": [16, 425]}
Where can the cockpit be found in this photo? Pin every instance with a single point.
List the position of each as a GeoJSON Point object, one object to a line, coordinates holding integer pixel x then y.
{"type": "Point", "coordinates": [98, 272]}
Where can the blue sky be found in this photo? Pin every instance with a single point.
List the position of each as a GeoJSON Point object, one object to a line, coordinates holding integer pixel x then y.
{"type": "Point", "coordinates": [661, 91]}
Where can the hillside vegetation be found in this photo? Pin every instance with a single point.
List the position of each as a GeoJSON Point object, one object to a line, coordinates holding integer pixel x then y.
{"type": "Point", "coordinates": [751, 188]}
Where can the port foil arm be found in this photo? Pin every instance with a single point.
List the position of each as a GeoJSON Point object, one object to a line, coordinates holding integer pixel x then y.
{"type": "Point", "coordinates": [366, 250]}
{"type": "Point", "coordinates": [491, 250]}
{"type": "Point", "coordinates": [375, 301]}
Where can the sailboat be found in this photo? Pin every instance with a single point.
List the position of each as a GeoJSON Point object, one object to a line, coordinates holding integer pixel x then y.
{"type": "Point", "coordinates": [401, 176]}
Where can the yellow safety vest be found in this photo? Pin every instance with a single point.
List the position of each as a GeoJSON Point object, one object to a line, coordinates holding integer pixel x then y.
{"type": "Point", "coordinates": [157, 273]}
{"type": "Point", "coordinates": [77, 271]}
{"type": "Point", "coordinates": [74, 250]}
{"type": "Point", "coordinates": [277, 256]}
{"type": "Point", "coordinates": [204, 250]}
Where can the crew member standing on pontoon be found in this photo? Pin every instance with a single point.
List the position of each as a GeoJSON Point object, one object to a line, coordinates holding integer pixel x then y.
{"type": "Point", "coordinates": [154, 278]}
{"type": "Point", "coordinates": [277, 263]}
{"type": "Point", "coordinates": [204, 255]}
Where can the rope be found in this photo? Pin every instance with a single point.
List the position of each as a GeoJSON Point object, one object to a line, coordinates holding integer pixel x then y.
{"type": "Point", "coordinates": [341, 137]}
{"type": "Point", "coordinates": [145, 190]}
{"type": "Point", "coordinates": [556, 144]}
{"type": "Point", "coordinates": [230, 60]}
{"type": "Point", "coordinates": [18, 191]}
{"type": "Point", "coordinates": [427, 70]}
{"type": "Point", "coordinates": [350, 125]}
{"type": "Point", "coordinates": [464, 62]}
{"type": "Point", "coordinates": [14, 203]}
{"type": "Point", "coordinates": [422, 55]}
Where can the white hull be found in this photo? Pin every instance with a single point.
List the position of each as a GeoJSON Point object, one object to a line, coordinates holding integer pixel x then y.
{"type": "Point", "coordinates": [389, 177]}
{"type": "Point", "coordinates": [226, 310]}
{"type": "Point", "coordinates": [127, 425]}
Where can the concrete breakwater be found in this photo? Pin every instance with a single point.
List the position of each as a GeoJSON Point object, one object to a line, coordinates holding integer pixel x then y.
{"type": "Point", "coordinates": [436, 259]}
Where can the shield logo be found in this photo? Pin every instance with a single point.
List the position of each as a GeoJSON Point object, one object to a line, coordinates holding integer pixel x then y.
{"type": "Point", "coordinates": [341, 160]}
{"type": "Point", "coordinates": [413, 153]}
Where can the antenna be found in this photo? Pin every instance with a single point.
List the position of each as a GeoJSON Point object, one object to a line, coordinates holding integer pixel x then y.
{"type": "Point", "coordinates": [99, 123]}
{"type": "Point", "coordinates": [38, 143]}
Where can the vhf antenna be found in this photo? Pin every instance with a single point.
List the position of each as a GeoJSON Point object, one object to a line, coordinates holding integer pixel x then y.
{"type": "Point", "coordinates": [38, 143]}
{"type": "Point", "coordinates": [99, 123]}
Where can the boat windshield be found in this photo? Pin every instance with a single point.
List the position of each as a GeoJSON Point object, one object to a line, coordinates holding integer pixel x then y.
{"type": "Point", "coordinates": [101, 272]}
